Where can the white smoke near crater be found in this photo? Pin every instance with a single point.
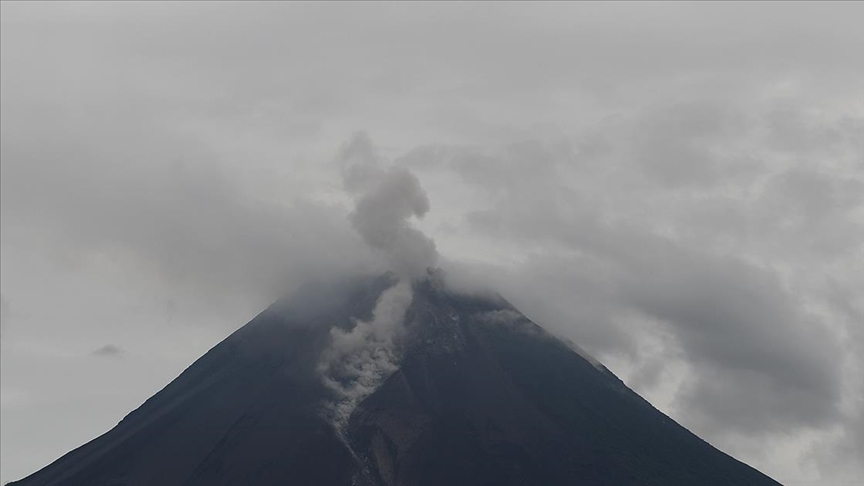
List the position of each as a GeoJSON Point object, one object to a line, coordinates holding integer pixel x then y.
{"type": "Point", "coordinates": [386, 198]}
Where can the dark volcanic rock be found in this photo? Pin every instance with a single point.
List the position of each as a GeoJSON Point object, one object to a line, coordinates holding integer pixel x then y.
{"type": "Point", "coordinates": [483, 396]}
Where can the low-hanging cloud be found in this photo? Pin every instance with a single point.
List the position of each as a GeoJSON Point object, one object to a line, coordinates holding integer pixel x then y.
{"type": "Point", "coordinates": [177, 217]}
{"type": "Point", "coordinates": [108, 351]}
{"type": "Point", "coordinates": [694, 251]}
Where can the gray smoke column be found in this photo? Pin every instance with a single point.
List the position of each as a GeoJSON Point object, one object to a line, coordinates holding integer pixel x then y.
{"type": "Point", "coordinates": [386, 198]}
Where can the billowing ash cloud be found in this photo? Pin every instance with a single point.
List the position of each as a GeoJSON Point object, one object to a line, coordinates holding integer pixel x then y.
{"type": "Point", "coordinates": [359, 360]}
{"type": "Point", "coordinates": [386, 198]}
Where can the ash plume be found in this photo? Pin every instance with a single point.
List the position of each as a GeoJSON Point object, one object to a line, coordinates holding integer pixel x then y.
{"type": "Point", "coordinates": [386, 198]}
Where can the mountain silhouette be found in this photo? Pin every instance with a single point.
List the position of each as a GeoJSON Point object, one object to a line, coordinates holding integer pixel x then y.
{"type": "Point", "coordinates": [480, 396]}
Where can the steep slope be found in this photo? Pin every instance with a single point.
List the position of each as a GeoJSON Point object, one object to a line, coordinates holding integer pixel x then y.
{"type": "Point", "coordinates": [497, 400]}
{"type": "Point", "coordinates": [482, 396]}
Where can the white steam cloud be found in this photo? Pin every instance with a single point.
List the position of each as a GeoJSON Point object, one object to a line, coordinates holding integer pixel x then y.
{"type": "Point", "coordinates": [359, 360]}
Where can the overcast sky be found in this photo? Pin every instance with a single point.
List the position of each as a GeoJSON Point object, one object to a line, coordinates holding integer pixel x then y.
{"type": "Point", "coordinates": [678, 188]}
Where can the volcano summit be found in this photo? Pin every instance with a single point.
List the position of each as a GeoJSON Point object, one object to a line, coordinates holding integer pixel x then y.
{"type": "Point", "coordinates": [368, 383]}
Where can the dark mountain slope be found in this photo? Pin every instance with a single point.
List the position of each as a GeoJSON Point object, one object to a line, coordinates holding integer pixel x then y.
{"type": "Point", "coordinates": [503, 402]}
{"type": "Point", "coordinates": [483, 397]}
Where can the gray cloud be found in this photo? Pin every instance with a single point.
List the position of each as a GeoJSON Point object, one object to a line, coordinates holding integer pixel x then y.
{"type": "Point", "coordinates": [715, 278]}
{"type": "Point", "coordinates": [109, 351]}
{"type": "Point", "coordinates": [764, 364]}
{"type": "Point", "coordinates": [171, 214]}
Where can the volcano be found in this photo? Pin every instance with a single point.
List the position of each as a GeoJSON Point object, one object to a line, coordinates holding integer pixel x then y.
{"type": "Point", "coordinates": [479, 395]}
